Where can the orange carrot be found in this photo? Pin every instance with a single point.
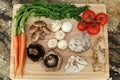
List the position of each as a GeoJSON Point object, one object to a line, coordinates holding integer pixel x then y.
{"type": "Point", "coordinates": [22, 53]}
{"type": "Point", "coordinates": [19, 46]}
{"type": "Point", "coordinates": [16, 53]}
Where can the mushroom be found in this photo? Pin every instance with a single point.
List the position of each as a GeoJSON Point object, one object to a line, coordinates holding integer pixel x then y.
{"type": "Point", "coordinates": [56, 25]}
{"type": "Point", "coordinates": [35, 36]}
{"type": "Point", "coordinates": [59, 35]}
{"type": "Point", "coordinates": [42, 25]}
{"type": "Point", "coordinates": [67, 26]}
{"type": "Point", "coordinates": [46, 30]}
{"type": "Point", "coordinates": [62, 44]}
{"type": "Point", "coordinates": [42, 35]}
{"type": "Point", "coordinates": [52, 43]}
{"type": "Point", "coordinates": [76, 64]}
{"type": "Point", "coordinates": [39, 30]}
{"type": "Point", "coordinates": [33, 29]}
{"type": "Point", "coordinates": [99, 54]}
{"type": "Point", "coordinates": [52, 61]}
{"type": "Point", "coordinates": [35, 52]}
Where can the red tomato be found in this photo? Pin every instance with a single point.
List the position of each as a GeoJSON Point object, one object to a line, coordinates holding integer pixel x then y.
{"type": "Point", "coordinates": [102, 18]}
{"type": "Point", "coordinates": [93, 28]}
{"type": "Point", "coordinates": [82, 25]}
{"type": "Point", "coordinates": [88, 16]}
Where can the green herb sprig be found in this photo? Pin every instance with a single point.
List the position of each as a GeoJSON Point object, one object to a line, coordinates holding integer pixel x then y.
{"type": "Point", "coordinates": [54, 11]}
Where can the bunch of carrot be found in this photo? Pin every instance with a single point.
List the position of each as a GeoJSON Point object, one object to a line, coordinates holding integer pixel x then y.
{"type": "Point", "coordinates": [19, 47]}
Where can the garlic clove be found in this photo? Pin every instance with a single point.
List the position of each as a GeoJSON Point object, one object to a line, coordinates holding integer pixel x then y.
{"type": "Point", "coordinates": [81, 67]}
{"type": "Point", "coordinates": [70, 69]}
{"type": "Point", "coordinates": [81, 60]}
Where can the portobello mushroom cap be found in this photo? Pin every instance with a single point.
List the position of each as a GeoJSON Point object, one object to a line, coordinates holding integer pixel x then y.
{"type": "Point", "coordinates": [52, 61]}
{"type": "Point", "coordinates": [35, 52]}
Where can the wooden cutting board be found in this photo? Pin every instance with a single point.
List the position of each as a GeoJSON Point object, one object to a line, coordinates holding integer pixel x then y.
{"type": "Point", "coordinates": [34, 70]}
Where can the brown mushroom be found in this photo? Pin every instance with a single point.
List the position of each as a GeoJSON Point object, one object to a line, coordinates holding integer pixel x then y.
{"type": "Point", "coordinates": [35, 36]}
{"type": "Point", "coordinates": [42, 35]}
{"type": "Point", "coordinates": [52, 61]}
{"type": "Point", "coordinates": [43, 26]}
{"type": "Point", "coordinates": [39, 30]}
{"type": "Point", "coordinates": [40, 24]}
{"type": "Point", "coordinates": [33, 29]}
{"type": "Point", "coordinates": [46, 30]}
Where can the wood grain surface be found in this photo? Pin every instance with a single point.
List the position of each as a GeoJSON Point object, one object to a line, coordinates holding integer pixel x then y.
{"type": "Point", "coordinates": [35, 71]}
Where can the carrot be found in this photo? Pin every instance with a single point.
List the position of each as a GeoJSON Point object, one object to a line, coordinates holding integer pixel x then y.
{"type": "Point", "coordinates": [19, 45]}
{"type": "Point", "coordinates": [22, 53]}
{"type": "Point", "coordinates": [16, 53]}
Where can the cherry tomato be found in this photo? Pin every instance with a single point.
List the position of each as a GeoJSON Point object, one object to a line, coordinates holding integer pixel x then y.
{"type": "Point", "coordinates": [82, 25]}
{"type": "Point", "coordinates": [93, 28]}
{"type": "Point", "coordinates": [88, 16]}
{"type": "Point", "coordinates": [102, 18]}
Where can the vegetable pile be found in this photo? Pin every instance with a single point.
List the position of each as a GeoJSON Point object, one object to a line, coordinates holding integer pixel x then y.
{"type": "Point", "coordinates": [92, 22]}
{"type": "Point", "coordinates": [49, 10]}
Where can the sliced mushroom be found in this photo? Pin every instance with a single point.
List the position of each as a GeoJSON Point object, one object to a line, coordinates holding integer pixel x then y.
{"type": "Point", "coordinates": [52, 61]}
{"type": "Point", "coordinates": [46, 30]}
{"type": "Point", "coordinates": [33, 29]}
{"type": "Point", "coordinates": [42, 35]}
{"type": "Point", "coordinates": [40, 24]}
{"type": "Point", "coordinates": [35, 36]}
{"type": "Point", "coordinates": [39, 30]}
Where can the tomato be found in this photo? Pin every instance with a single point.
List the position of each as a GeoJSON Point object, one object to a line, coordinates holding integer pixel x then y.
{"type": "Point", "coordinates": [88, 16]}
{"type": "Point", "coordinates": [82, 25]}
{"type": "Point", "coordinates": [93, 28]}
{"type": "Point", "coordinates": [102, 18]}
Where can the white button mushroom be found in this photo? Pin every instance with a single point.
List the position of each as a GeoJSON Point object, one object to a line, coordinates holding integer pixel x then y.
{"type": "Point", "coordinates": [67, 26]}
{"type": "Point", "coordinates": [59, 35]}
{"type": "Point", "coordinates": [62, 44]}
{"type": "Point", "coordinates": [56, 25]}
{"type": "Point", "coordinates": [52, 43]}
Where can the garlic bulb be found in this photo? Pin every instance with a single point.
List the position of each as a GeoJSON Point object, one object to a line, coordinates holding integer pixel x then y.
{"type": "Point", "coordinates": [75, 64]}
{"type": "Point", "coordinates": [67, 26]}
{"type": "Point", "coordinates": [62, 44]}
